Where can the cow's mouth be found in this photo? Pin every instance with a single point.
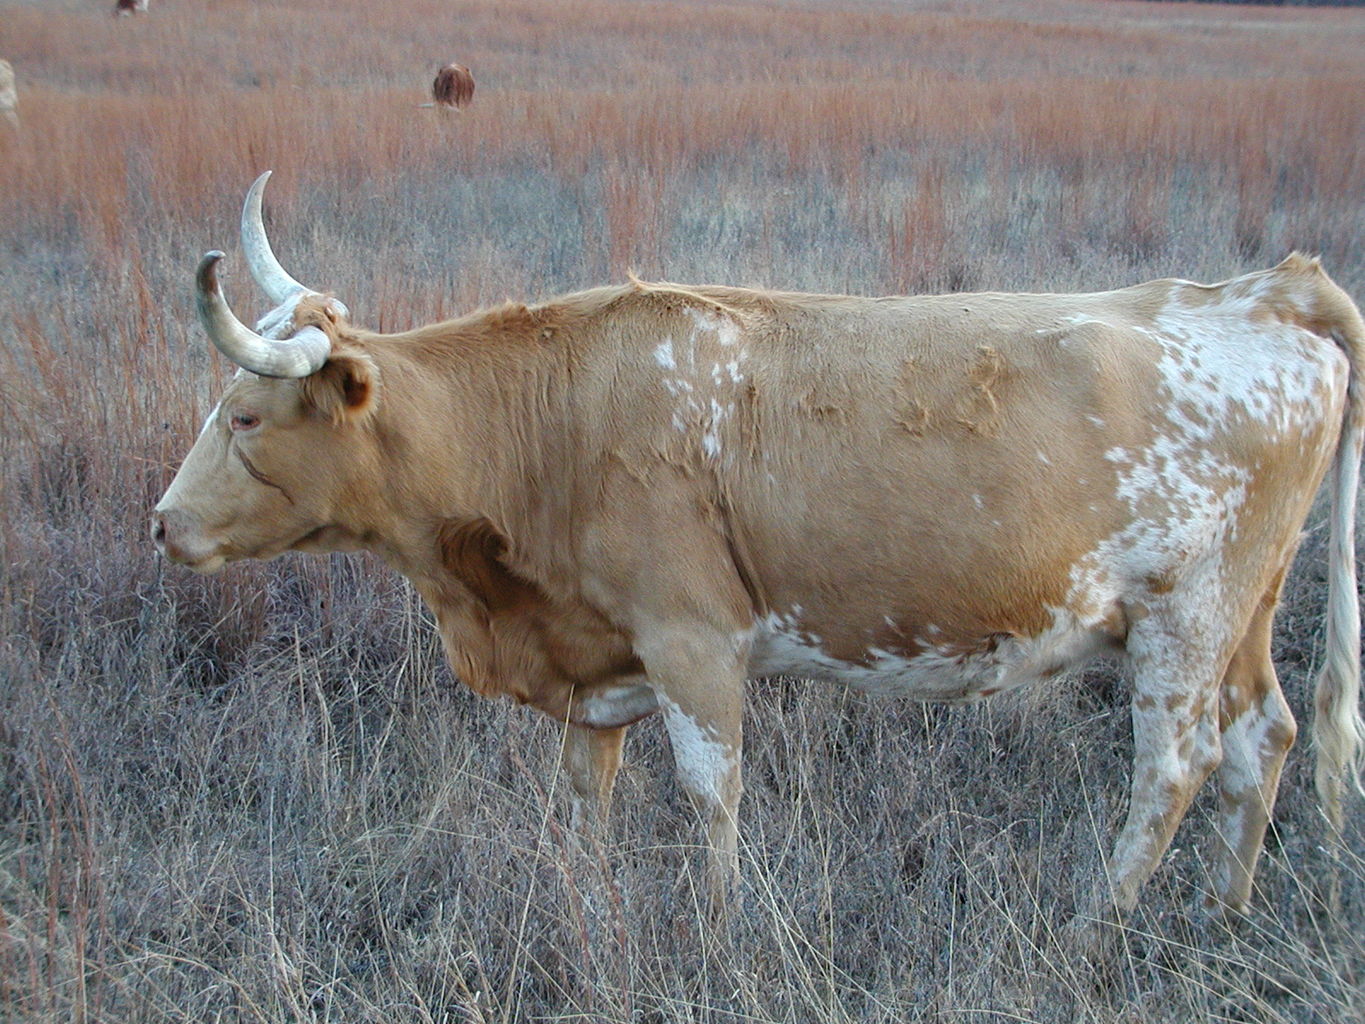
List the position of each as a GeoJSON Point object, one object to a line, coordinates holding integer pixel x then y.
{"type": "Point", "coordinates": [182, 540]}
{"type": "Point", "coordinates": [207, 566]}
{"type": "Point", "coordinates": [177, 540]}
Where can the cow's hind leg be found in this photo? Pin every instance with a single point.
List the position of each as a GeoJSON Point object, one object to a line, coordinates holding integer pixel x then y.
{"type": "Point", "coordinates": [1176, 743]}
{"type": "Point", "coordinates": [1258, 730]}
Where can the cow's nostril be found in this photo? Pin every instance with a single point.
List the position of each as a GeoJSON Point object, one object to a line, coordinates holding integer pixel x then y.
{"type": "Point", "coordinates": [158, 529]}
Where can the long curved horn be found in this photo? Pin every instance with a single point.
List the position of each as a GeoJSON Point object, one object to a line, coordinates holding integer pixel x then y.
{"type": "Point", "coordinates": [297, 356]}
{"type": "Point", "coordinates": [265, 268]}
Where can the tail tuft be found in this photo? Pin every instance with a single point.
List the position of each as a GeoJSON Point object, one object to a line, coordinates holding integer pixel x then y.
{"type": "Point", "coordinates": [1338, 730]}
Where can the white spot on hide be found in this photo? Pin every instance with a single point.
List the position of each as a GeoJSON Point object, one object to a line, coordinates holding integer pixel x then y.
{"type": "Point", "coordinates": [701, 380]}
{"type": "Point", "coordinates": [663, 355]}
{"type": "Point", "coordinates": [703, 761]}
{"type": "Point", "coordinates": [783, 646]}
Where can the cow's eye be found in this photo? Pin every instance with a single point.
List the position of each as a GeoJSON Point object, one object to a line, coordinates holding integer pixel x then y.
{"type": "Point", "coordinates": [244, 421]}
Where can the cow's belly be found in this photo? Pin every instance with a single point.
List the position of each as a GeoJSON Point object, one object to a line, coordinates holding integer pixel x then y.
{"type": "Point", "coordinates": [934, 672]}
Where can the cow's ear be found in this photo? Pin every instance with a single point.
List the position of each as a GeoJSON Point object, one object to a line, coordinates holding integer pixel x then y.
{"type": "Point", "coordinates": [346, 389]}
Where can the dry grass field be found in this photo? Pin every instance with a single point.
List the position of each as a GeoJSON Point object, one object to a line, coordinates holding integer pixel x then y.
{"type": "Point", "coordinates": [261, 796]}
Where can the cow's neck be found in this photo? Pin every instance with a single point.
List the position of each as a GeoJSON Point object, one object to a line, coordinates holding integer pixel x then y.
{"type": "Point", "coordinates": [466, 431]}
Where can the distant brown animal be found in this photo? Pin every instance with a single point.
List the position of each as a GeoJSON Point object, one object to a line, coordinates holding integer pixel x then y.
{"type": "Point", "coordinates": [453, 87]}
{"type": "Point", "coordinates": [123, 8]}
{"type": "Point", "coordinates": [629, 500]}
{"type": "Point", "coordinates": [9, 95]}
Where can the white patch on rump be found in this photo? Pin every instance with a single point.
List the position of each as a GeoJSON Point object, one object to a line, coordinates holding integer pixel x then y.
{"type": "Point", "coordinates": [1186, 489]}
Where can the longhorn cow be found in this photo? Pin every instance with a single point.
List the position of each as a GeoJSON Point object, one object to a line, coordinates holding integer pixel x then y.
{"type": "Point", "coordinates": [631, 500]}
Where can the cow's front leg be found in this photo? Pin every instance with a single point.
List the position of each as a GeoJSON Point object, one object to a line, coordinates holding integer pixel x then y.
{"type": "Point", "coordinates": [706, 755]}
{"type": "Point", "coordinates": [700, 685]}
{"type": "Point", "coordinates": [591, 758]}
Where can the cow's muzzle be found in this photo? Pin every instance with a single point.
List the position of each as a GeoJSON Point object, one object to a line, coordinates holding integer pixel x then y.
{"type": "Point", "coordinates": [164, 532]}
{"type": "Point", "coordinates": [175, 536]}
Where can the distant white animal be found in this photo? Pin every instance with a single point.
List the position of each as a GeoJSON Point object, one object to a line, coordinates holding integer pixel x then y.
{"type": "Point", "coordinates": [9, 96]}
{"type": "Point", "coordinates": [123, 8]}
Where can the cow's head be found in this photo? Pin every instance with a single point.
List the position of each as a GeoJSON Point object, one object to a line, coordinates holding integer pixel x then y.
{"type": "Point", "coordinates": [282, 454]}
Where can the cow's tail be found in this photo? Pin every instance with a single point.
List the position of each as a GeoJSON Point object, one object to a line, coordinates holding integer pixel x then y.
{"type": "Point", "coordinates": [1338, 730]}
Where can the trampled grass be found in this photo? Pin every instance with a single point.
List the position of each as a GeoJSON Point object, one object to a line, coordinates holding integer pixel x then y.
{"type": "Point", "coordinates": [262, 797]}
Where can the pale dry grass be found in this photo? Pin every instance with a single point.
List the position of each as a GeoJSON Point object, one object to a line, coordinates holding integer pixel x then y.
{"type": "Point", "coordinates": [261, 797]}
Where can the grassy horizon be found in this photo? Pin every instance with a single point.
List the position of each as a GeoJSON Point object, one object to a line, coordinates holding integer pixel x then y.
{"type": "Point", "coordinates": [262, 796]}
